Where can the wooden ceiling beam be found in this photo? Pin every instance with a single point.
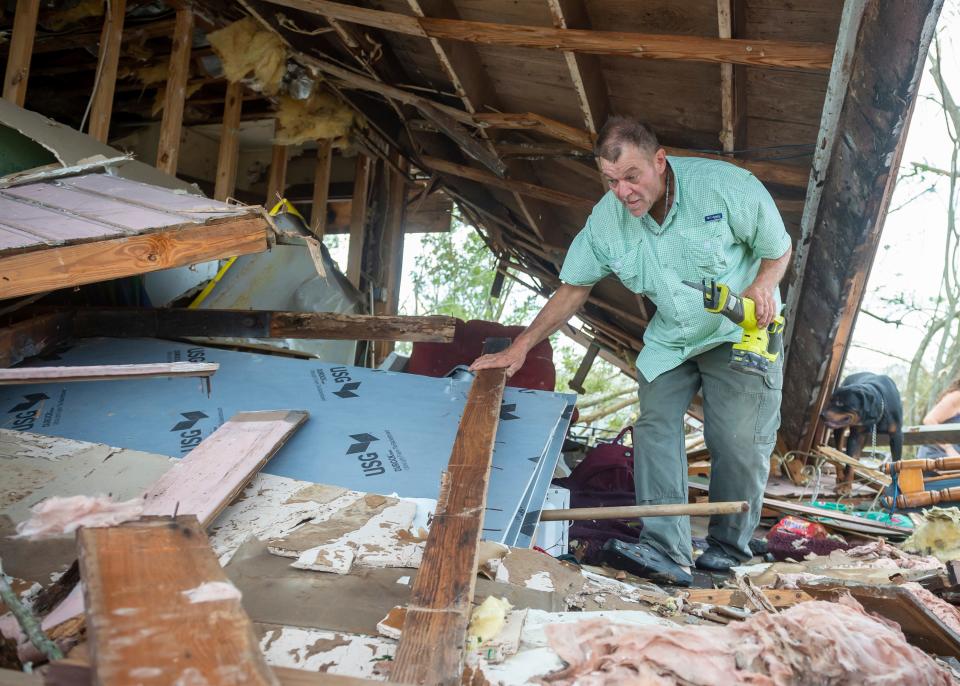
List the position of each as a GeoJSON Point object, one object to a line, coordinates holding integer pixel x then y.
{"type": "Point", "coordinates": [514, 186]}
{"type": "Point", "coordinates": [864, 126]}
{"type": "Point", "coordinates": [757, 53]}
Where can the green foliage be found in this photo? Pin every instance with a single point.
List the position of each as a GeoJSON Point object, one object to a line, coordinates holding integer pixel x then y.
{"type": "Point", "coordinates": [453, 276]}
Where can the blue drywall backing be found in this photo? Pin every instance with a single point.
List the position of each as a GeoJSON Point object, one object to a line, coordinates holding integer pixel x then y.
{"type": "Point", "coordinates": [370, 430]}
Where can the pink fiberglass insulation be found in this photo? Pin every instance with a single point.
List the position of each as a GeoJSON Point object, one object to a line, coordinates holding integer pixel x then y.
{"type": "Point", "coordinates": [61, 516]}
{"type": "Point", "coordinates": [947, 613]}
{"type": "Point", "coordinates": [813, 643]}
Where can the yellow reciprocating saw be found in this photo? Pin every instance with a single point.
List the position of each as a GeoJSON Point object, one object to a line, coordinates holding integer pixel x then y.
{"type": "Point", "coordinates": [758, 348]}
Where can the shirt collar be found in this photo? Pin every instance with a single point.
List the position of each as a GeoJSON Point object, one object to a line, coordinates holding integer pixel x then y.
{"type": "Point", "coordinates": [675, 191]}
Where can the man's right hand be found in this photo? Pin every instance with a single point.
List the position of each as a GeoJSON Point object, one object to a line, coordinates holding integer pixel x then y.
{"type": "Point", "coordinates": [512, 358]}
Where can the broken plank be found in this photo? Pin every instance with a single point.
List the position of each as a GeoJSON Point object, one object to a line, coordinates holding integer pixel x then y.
{"type": "Point", "coordinates": [179, 322]}
{"type": "Point", "coordinates": [212, 474]}
{"type": "Point", "coordinates": [205, 481]}
{"type": "Point", "coordinates": [74, 265]}
{"type": "Point", "coordinates": [837, 457]}
{"type": "Point", "coordinates": [106, 372]}
{"type": "Point", "coordinates": [431, 649]}
{"type": "Point", "coordinates": [160, 610]}
{"type": "Point", "coordinates": [522, 187]}
{"type": "Point", "coordinates": [737, 598]}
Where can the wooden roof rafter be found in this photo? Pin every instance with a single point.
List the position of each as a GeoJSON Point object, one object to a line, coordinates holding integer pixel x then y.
{"type": "Point", "coordinates": [463, 67]}
{"type": "Point", "coordinates": [585, 71]}
{"type": "Point", "coordinates": [780, 54]}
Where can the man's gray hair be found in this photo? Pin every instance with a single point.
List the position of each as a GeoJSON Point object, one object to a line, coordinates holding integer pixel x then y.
{"type": "Point", "coordinates": [619, 131]}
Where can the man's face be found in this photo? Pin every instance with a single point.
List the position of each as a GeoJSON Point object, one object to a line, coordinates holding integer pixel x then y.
{"type": "Point", "coordinates": [635, 178]}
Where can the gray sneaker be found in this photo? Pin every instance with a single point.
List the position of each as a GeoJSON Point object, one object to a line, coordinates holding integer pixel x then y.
{"type": "Point", "coordinates": [645, 561]}
{"type": "Point", "coordinates": [715, 560]}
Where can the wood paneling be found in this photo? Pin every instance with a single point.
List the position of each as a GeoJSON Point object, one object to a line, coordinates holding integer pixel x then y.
{"type": "Point", "coordinates": [212, 474]}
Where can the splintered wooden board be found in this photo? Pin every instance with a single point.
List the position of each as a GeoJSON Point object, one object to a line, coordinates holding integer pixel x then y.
{"type": "Point", "coordinates": [210, 476]}
{"type": "Point", "coordinates": [144, 624]}
{"type": "Point", "coordinates": [431, 649]}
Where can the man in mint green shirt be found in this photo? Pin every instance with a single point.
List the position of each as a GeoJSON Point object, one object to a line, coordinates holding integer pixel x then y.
{"type": "Point", "coordinates": [664, 221]}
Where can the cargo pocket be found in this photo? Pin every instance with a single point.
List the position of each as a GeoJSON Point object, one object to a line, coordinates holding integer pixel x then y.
{"type": "Point", "coordinates": [768, 417]}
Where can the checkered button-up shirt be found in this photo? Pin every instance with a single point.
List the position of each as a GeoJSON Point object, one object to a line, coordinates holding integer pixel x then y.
{"type": "Point", "coordinates": [722, 223]}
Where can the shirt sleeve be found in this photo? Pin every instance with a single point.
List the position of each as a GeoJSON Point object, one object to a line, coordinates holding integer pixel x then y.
{"type": "Point", "coordinates": [758, 224]}
{"type": "Point", "coordinates": [584, 264]}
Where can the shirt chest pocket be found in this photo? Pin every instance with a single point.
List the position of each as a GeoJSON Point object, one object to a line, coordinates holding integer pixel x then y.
{"type": "Point", "coordinates": [705, 249]}
{"type": "Point", "coordinates": [633, 273]}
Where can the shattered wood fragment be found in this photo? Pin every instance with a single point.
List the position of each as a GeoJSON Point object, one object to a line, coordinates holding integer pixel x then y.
{"type": "Point", "coordinates": [33, 336]}
{"type": "Point", "coordinates": [778, 598]}
{"type": "Point", "coordinates": [431, 649]}
{"type": "Point", "coordinates": [107, 372]}
{"type": "Point", "coordinates": [150, 619]}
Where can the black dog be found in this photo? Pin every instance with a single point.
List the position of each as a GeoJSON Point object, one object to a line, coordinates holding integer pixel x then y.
{"type": "Point", "coordinates": [861, 402]}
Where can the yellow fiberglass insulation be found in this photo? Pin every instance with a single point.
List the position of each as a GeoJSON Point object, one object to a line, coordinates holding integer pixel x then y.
{"type": "Point", "coordinates": [487, 620]}
{"type": "Point", "coordinates": [937, 534]}
{"type": "Point", "coordinates": [245, 49]}
{"type": "Point", "coordinates": [154, 73]}
{"type": "Point", "coordinates": [320, 116]}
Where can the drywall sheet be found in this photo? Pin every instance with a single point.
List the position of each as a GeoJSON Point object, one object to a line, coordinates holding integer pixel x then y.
{"type": "Point", "coordinates": [523, 526]}
{"type": "Point", "coordinates": [370, 430]}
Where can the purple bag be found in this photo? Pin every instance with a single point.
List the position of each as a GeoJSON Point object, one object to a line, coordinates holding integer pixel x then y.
{"type": "Point", "coordinates": [603, 479]}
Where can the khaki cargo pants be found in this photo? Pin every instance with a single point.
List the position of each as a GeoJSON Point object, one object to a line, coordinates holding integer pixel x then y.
{"type": "Point", "coordinates": [741, 418]}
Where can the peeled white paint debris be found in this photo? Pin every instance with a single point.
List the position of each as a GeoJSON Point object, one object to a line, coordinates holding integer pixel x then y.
{"type": "Point", "coordinates": [210, 591]}
{"type": "Point", "coordinates": [541, 581]}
